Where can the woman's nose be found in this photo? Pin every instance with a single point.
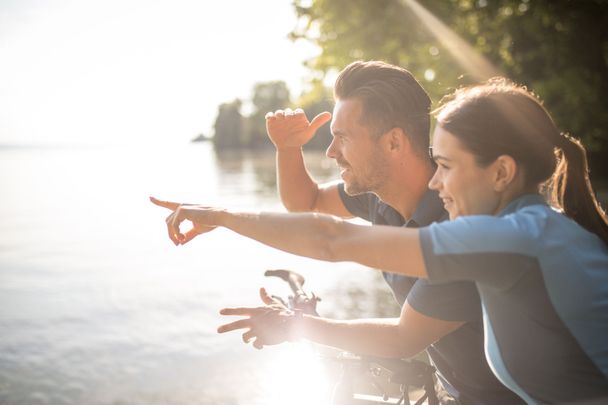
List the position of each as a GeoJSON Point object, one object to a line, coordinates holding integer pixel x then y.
{"type": "Point", "coordinates": [434, 183]}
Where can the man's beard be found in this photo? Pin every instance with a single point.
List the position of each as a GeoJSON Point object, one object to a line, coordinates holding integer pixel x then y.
{"type": "Point", "coordinates": [372, 181]}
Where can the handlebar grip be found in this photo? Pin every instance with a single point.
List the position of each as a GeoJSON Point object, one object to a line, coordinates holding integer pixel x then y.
{"type": "Point", "coordinates": [295, 280]}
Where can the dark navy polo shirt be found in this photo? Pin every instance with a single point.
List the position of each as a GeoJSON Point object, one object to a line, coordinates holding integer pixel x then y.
{"type": "Point", "coordinates": [459, 357]}
{"type": "Point", "coordinates": [543, 280]}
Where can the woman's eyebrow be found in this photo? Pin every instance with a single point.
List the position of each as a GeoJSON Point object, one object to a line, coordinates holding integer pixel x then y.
{"type": "Point", "coordinates": [437, 157]}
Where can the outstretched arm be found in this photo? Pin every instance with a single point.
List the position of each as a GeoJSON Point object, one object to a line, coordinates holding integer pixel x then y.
{"type": "Point", "coordinates": [395, 338]}
{"type": "Point", "coordinates": [289, 131]}
{"type": "Point", "coordinates": [317, 236]}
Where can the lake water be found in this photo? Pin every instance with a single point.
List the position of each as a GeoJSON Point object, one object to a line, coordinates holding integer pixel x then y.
{"type": "Point", "coordinates": [97, 306]}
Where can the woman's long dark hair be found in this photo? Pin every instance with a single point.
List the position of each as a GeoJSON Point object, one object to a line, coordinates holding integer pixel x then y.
{"type": "Point", "coordinates": [502, 118]}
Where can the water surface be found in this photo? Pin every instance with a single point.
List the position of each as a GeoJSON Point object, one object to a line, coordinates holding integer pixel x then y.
{"type": "Point", "coordinates": [97, 306]}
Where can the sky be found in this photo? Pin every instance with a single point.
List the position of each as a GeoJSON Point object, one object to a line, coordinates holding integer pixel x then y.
{"type": "Point", "coordinates": [127, 71]}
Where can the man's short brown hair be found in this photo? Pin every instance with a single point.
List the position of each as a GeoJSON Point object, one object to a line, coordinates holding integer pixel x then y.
{"type": "Point", "coordinates": [391, 98]}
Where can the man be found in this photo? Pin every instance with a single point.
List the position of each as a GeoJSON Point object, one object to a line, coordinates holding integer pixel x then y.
{"type": "Point", "coordinates": [380, 131]}
{"type": "Point", "coordinates": [380, 142]}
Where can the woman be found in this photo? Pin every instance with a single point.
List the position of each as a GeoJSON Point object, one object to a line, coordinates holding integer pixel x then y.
{"type": "Point", "coordinates": [542, 271]}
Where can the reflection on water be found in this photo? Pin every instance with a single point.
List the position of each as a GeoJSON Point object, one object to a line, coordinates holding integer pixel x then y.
{"type": "Point", "coordinates": [98, 307]}
{"type": "Point", "coordinates": [257, 169]}
{"type": "Point", "coordinates": [351, 300]}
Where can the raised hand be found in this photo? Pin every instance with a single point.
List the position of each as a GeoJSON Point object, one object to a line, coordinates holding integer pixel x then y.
{"type": "Point", "coordinates": [291, 129]}
{"type": "Point", "coordinates": [200, 217]}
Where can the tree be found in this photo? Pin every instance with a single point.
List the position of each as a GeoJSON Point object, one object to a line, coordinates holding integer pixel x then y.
{"type": "Point", "coordinates": [268, 96]}
{"type": "Point", "coordinates": [319, 99]}
{"type": "Point", "coordinates": [559, 49]}
{"type": "Point", "coordinates": [229, 126]}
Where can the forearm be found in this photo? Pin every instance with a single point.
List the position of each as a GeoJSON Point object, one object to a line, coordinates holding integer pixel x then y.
{"type": "Point", "coordinates": [297, 189]}
{"type": "Point", "coordinates": [374, 337]}
{"type": "Point", "coordinates": [332, 239]}
{"type": "Point", "coordinates": [303, 234]}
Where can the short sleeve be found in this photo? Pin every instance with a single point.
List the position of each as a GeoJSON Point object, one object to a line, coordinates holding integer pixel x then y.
{"type": "Point", "coordinates": [454, 301]}
{"type": "Point", "coordinates": [484, 249]}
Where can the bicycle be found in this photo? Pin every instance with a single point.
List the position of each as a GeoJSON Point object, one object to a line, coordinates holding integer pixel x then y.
{"type": "Point", "coordinates": [404, 373]}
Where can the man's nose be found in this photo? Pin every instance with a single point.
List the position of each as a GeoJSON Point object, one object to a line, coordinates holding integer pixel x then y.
{"type": "Point", "coordinates": [330, 152]}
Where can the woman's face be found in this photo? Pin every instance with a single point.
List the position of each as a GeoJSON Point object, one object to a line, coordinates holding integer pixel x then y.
{"type": "Point", "coordinates": [464, 187]}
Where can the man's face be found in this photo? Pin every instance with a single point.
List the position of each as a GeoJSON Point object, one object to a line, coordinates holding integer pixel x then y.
{"type": "Point", "coordinates": [356, 151]}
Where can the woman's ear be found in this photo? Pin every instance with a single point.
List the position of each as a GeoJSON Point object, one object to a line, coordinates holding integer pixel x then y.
{"type": "Point", "coordinates": [505, 172]}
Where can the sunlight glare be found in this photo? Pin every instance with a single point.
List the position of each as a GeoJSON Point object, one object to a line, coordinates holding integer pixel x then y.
{"type": "Point", "coordinates": [298, 377]}
{"type": "Point", "coordinates": [120, 72]}
{"type": "Point", "coordinates": [465, 55]}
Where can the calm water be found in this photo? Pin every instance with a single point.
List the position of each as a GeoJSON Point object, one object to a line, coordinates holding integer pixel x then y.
{"type": "Point", "coordinates": [97, 306]}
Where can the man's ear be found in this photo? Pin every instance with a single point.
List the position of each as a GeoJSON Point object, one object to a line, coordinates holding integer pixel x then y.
{"type": "Point", "coordinates": [396, 140]}
{"type": "Point", "coordinates": [505, 172]}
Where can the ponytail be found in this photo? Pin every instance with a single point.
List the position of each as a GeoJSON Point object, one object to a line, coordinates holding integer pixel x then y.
{"type": "Point", "coordinates": [500, 117]}
{"type": "Point", "coordinates": [571, 188]}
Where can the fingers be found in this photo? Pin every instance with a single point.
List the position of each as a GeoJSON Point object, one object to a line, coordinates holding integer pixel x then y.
{"type": "Point", "coordinates": [258, 344]}
{"type": "Point", "coordinates": [173, 221]}
{"type": "Point", "coordinates": [188, 236]}
{"type": "Point", "coordinates": [318, 121]}
{"type": "Point", "coordinates": [271, 300]}
{"type": "Point", "coordinates": [172, 235]}
{"type": "Point", "coordinates": [286, 114]}
{"type": "Point", "coordinates": [266, 298]}
{"type": "Point", "coordinates": [240, 324]}
{"type": "Point", "coordinates": [247, 336]}
{"type": "Point", "coordinates": [243, 311]}
{"type": "Point", "coordinates": [166, 204]}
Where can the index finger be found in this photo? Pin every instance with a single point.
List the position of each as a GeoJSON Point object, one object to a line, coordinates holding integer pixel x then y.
{"type": "Point", "coordinates": [166, 204]}
{"type": "Point", "coordinates": [240, 324]}
{"type": "Point", "coordinates": [243, 311]}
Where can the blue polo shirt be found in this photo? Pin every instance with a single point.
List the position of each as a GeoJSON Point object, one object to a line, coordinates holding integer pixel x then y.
{"type": "Point", "coordinates": [458, 356]}
{"type": "Point", "coordinates": [543, 280]}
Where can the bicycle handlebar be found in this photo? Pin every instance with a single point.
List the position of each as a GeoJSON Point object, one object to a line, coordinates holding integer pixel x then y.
{"type": "Point", "coordinates": [295, 280]}
{"type": "Point", "coordinates": [403, 372]}
{"type": "Point", "coordinates": [300, 299]}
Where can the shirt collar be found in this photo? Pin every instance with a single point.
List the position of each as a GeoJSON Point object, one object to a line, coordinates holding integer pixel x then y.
{"type": "Point", "coordinates": [521, 202]}
{"type": "Point", "coordinates": [429, 210]}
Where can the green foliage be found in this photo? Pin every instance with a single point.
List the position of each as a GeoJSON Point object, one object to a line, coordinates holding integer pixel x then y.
{"type": "Point", "coordinates": [234, 131]}
{"type": "Point", "coordinates": [319, 99]}
{"type": "Point", "coordinates": [559, 49]}
{"type": "Point", "coordinates": [269, 96]}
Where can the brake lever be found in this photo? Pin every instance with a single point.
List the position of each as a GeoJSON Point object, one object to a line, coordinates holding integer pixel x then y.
{"type": "Point", "coordinates": [300, 299]}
